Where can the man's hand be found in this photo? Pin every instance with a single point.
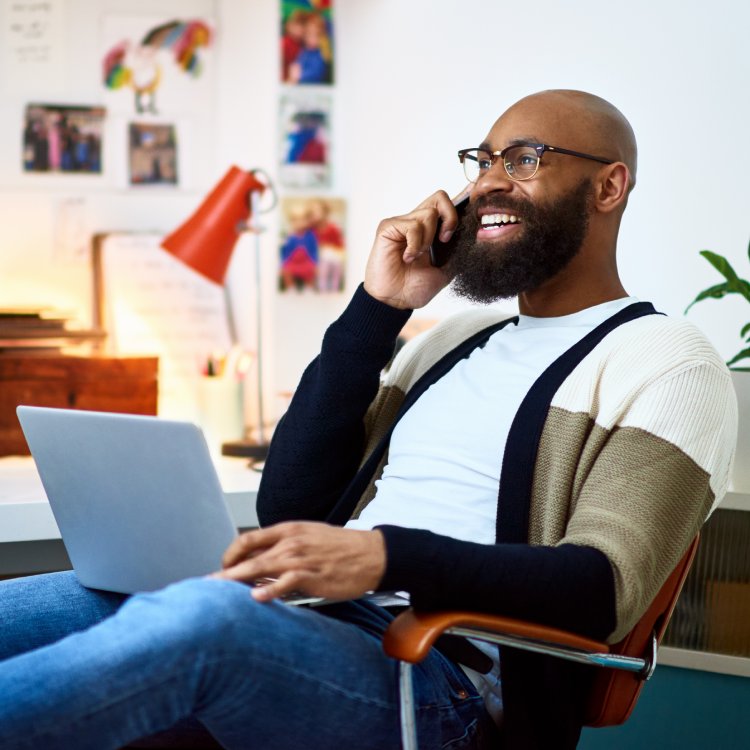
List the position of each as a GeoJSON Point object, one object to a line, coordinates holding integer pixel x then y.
{"type": "Point", "coordinates": [316, 558]}
{"type": "Point", "coordinates": [398, 269]}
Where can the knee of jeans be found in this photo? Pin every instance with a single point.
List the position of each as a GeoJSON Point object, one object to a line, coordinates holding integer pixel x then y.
{"type": "Point", "coordinates": [206, 609]}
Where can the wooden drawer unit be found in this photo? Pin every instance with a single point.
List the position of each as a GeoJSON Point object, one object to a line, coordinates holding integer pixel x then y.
{"type": "Point", "coordinates": [119, 384]}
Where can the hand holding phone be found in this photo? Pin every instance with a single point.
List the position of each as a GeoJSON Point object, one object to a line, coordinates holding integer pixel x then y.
{"type": "Point", "coordinates": [440, 252]}
{"type": "Point", "coordinates": [399, 270]}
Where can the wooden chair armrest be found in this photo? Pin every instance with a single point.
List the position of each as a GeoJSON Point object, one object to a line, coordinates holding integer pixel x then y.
{"type": "Point", "coordinates": [412, 634]}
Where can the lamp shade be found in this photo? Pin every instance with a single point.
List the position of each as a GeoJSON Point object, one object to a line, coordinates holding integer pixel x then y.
{"type": "Point", "coordinates": [206, 240]}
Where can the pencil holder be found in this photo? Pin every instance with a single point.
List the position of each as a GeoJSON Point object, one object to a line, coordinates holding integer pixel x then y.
{"type": "Point", "coordinates": [220, 410]}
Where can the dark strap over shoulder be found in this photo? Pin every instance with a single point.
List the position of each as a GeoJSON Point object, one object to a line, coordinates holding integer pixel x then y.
{"type": "Point", "coordinates": [543, 696]}
{"type": "Point", "coordinates": [522, 445]}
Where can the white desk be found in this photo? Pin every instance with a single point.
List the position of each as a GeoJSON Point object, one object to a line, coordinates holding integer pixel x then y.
{"type": "Point", "coordinates": [30, 540]}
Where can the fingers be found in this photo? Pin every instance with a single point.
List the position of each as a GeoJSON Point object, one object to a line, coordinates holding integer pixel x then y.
{"type": "Point", "coordinates": [269, 569]}
{"type": "Point", "coordinates": [278, 551]}
{"type": "Point", "coordinates": [248, 544]}
{"type": "Point", "coordinates": [459, 204]}
{"type": "Point", "coordinates": [314, 558]}
{"type": "Point", "coordinates": [417, 230]}
{"type": "Point", "coordinates": [440, 208]}
{"type": "Point", "coordinates": [413, 233]}
{"type": "Point", "coordinates": [285, 584]}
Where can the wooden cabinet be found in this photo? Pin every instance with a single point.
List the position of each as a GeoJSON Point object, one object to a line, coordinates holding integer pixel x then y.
{"type": "Point", "coordinates": [99, 383]}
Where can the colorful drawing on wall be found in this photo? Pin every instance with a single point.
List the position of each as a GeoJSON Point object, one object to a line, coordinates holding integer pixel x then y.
{"type": "Point", "coordinates": [152, 154]}
{"type": "Point", "coordinates": [62, 138]}
{"type": "Point", "coordinates": [307, 41]}
{"type": "Point", "coordinates": [305, 138]}
{"type": "Point", "coordinates": [143, 65]}
{"type": "Point", "coordinates": [313, 250]}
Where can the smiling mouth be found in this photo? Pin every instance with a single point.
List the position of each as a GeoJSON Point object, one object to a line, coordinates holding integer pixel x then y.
{"type": "Point", "coordinates": [492, 221]}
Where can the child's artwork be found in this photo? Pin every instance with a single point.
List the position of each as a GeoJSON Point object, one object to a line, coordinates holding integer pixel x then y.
{"type": "Point", "coordinates": [152, 157]}
{"type": "Point", "coordinates": [153, 64]}
{"type": "Point", "coordinates": [61, 138]}
{"type": "Point", "coordinates": [313, 250]}
{"type": "Point", "coordinates": [306, 41]}
{"type": "Point", "coordinates": [305, 130]}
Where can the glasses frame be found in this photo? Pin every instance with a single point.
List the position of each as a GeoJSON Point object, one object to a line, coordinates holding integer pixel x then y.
{"type": "Point", "coordinates": [540, 149]}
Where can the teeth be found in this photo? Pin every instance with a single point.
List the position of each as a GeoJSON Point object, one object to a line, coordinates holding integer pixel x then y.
{"type": "Point", "coordinates": [491, 219]}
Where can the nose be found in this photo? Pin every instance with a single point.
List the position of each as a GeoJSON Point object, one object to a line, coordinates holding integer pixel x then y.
{"type": "Point", "coordinates": [493, 180]}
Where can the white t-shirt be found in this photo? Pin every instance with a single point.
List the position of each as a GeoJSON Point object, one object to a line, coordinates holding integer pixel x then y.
{"type": "Point", "coordinates": [446, 452]}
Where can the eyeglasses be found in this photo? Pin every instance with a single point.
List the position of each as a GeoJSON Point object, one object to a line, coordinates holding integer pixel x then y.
{"type": "Point", "coordinates": [521, 161]}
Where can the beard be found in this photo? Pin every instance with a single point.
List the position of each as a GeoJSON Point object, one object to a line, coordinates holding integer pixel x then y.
{"type": "Point", "coordinates": [551, 236]}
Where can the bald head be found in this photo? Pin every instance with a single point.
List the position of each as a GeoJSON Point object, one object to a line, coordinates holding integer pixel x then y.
{"type": "Point", "coordinates": [579, 121]}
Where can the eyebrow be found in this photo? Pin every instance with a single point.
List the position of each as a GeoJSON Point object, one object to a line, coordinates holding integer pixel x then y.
{"type": "Point", "coordinates": [485, 145]}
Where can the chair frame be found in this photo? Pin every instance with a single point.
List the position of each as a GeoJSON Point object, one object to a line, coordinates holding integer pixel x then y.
{"type": "Point", "coordinates": [412, 634]}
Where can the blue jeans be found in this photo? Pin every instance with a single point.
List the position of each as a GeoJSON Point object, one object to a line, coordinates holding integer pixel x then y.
{"type": "Point", "coordinates": [89, 669]}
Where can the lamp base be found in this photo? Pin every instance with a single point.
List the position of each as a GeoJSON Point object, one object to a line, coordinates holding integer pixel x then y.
{"type": "Point", "coordinates": [245, 449]}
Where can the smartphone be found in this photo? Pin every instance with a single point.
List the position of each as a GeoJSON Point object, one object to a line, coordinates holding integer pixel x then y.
{"type": "Point", "coordinates": [441, 251]}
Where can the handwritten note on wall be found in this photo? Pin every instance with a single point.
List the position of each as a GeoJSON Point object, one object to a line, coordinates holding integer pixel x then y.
{"type": "Point", "coordinates": [157, 305]}
{"type": "Point", "coordinates": [32, 43]}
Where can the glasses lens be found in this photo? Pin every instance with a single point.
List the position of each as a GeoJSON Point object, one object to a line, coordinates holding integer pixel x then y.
{"type": "Point", "coordinates": [476, 162]}
{"type": "Point", "coordinates": [521, 162]}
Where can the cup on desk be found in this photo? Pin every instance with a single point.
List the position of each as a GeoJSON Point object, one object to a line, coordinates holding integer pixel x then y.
{"type": "Point", "coordinates": [221, 410]}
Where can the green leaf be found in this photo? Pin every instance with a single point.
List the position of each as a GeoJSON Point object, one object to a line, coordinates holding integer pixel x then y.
{"type": "Point", "coordinates": [745, 329]}
{"type": "Point", "coordinates": [713, 292]}
{"type": "Point", "coordinates": [744, 354]}
{"type": "Point", "coordinates": [721, 264]}
{"type": "Point", "coordinates": [724, 267]}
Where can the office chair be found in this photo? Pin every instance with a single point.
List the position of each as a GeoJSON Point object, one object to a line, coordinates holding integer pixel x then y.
{"type": "Point", "coordinates": [615, 689]}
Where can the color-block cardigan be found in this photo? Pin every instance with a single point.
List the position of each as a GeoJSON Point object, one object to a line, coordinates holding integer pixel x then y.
{"type": "Point", "coordinates": [606, 478]}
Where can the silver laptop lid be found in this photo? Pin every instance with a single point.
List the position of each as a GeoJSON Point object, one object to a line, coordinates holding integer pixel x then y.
{"type": "Point", "coordinates": [137, 499]}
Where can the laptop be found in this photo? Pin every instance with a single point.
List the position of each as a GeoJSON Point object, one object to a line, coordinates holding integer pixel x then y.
{"type": "Point", "coordinates": [136, 498]}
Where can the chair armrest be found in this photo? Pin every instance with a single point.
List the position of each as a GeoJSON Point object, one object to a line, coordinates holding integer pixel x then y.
{"type": "Point", "coordinates": [411, 635]}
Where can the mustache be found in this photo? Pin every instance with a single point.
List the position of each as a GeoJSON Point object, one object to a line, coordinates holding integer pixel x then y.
{"type": "Point", "coordinates": [498, 202]}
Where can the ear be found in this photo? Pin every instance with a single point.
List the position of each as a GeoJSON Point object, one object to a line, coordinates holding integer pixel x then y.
{"type": "Point", "coordinates": [612, 186]}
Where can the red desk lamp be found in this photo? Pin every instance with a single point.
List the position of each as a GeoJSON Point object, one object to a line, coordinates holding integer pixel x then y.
{"type": "Point", "coordinates": [205, 243]}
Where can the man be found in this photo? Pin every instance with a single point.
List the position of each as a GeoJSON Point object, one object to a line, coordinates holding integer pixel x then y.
{"type": "Point", "coordinates": [553, 466]}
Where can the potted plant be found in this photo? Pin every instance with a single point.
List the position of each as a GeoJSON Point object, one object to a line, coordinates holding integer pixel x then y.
{"type": "Point", "coordinates": [733, 284]}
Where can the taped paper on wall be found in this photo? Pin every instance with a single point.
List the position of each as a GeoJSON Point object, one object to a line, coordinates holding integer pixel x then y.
{"type": "Point", "coordinates": [156, 305]}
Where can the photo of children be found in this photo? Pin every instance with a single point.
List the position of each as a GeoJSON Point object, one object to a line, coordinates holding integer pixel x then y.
{"type": "Point", "coordinates": [306, 41]}
{"type": "Point", "coordinates": [313, 250]}
{"type": "Point", "coordinates": [305, 157]}
{"type": "Point", "coordinates": [152, 157]}
{"type": "Point", "coordinates": [60, 138]}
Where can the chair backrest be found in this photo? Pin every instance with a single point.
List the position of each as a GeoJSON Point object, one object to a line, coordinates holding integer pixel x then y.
{"type": "Point", "coordinates": [614, 692]}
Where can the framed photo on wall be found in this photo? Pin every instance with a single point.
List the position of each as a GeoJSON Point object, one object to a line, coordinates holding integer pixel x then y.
{"type": "Point", "coordinates": [152, 154]}
{"type": "Point", "coordinates": [305, 140]}
{"type": "Point", "coordinates": [63, 138]}
{"type": "Point", "coordinates": [306, 42]}
{"type": "Point", "coordinates": [312, 253]}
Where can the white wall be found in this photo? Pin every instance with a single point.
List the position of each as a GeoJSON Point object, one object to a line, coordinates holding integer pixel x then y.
{"type": "Point", "coordinates": [418, 80]}
{"type": "Point", "coordinates": [415, 81]}
{"type": "Point", "coordinates": [421, 79]}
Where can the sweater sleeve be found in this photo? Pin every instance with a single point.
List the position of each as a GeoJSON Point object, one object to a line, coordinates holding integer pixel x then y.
{"type": "Point", "coordinates": [318, 444]}
{"type": "Point", "coordinates": [645, 486]}
{"type": "Point", "coordinates": [567, 586]}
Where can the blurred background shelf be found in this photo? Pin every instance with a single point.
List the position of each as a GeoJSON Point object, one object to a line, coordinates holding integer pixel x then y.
{"type": "Point", "coordinates": [99, 383]}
